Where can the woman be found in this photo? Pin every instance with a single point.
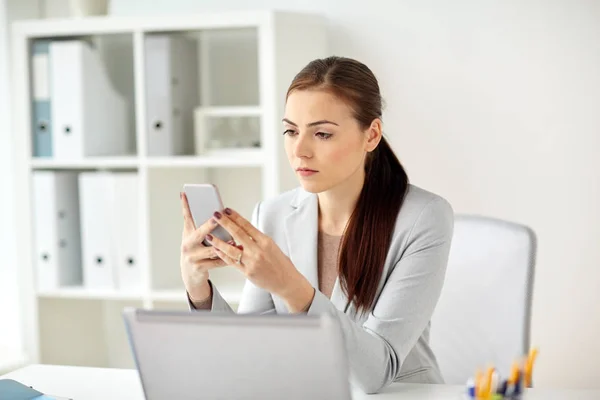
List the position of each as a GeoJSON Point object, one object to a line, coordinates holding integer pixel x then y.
{"type": "Point", "coordinates": [356, 240]}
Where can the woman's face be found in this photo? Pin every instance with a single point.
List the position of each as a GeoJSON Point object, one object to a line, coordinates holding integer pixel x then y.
{"type": "Point", "coordinates": [323, 137]}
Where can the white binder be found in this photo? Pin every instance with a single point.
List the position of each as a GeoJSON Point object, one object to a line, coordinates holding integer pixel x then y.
{"type": "Point", "coordinates": [96, 230]}
{"type": "Point", "coordinates": [126, 233]}
{"type": "Point", "coordinates": [56, 230]}
{"type": "Point", "coordinates": [109, 227]}
{"type": "Point", "coordinates": [171, 94]}
{"type": "Point", "coordinates": [41, 117]}
{"type": "Point", "coordinates": [89, 117]}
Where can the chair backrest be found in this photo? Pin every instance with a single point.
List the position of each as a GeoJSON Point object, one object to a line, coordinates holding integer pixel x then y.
{"type": "Point", "coordinates": [483, 314]}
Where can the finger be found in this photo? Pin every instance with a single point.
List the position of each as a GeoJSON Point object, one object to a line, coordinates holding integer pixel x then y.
{"type": "Point", "coordinates": [239, 235]}
{"type": "Point", "coordinates": [243, 223]}
{"type": "Point", "coordinates": [229, 260]}
{"type": "Point", "coordinates": [211, 264]}
{"type": "Point", "coordinates": [202, 253]}
{"type": "Point", "coordinates": [195, 240]}
{"type": "Point", "coordinates": [222, 248]}
{"type": "Point", "coordinates": [204, 229]}
{"type": "Point", "coordinates": [188, 220]}
{"type": "Point", "coordinates": [231, 250]}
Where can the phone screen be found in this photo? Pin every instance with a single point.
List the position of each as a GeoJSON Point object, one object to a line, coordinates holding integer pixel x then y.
{"type": "Point", "coordinates": [204, 200]}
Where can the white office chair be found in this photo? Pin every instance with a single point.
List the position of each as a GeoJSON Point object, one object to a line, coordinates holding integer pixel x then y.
{"type": "Point", "coordinates": [483, 315]}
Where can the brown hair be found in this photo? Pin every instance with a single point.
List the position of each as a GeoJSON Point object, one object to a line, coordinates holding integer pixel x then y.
{"type": "Point", "coordinates": [368, 233]}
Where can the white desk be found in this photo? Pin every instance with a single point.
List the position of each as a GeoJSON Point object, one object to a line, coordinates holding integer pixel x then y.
{"type": "Point", "coordinates": [80, 383]}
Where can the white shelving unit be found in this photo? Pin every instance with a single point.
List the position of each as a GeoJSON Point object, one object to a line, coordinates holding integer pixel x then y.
{"type": "Point", "coordinates": [113, 163]}
{"type": "Point", "coordinates": [79, 326]}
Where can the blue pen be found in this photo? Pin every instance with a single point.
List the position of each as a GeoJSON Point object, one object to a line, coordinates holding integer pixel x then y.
{"type": "Point", "coordinates": [518, 385]}
{"type": "Point", "coordinates": [471, 388]}
{"type": "Point", "coordinates": [512, 381]}
{"type": "Point", "coordinates": [502, 388]}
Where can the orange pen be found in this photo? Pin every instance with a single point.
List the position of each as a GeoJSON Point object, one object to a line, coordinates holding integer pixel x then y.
{"type": "Point", "coordinates": [487, 391]}
{"type": "Point", "coordinates": [478, 383]}
{"type": "Point", "coordinates": [512, 379]}
{"type": "Point", "coordinates": [529, 366]}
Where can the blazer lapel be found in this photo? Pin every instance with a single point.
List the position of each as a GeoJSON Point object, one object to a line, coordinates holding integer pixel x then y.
{"type": "Point", "coordinates": [301, 229]}
{"type": "Point", "coordinates": [337, 296]}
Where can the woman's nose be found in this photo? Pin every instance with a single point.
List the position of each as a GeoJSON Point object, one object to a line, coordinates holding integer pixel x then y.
{"type": "Point", "coordinates": [302, 147]}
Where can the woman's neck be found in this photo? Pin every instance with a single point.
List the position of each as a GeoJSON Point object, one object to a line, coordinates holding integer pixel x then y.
{"type": "Point", "coordinates": [337, 204]}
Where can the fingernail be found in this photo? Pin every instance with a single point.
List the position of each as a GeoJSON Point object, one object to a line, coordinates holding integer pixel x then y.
{"type": "Point", "coordinates": [240, 247]}
{"type": "Point", "coordinates": [209, 237]}
{"type": "Point", "coordinates": [228, 211]}
{"type": "Point", "coordinates": [217, 215]}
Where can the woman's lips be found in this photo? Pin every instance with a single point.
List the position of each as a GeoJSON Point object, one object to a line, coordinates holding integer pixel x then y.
{"type": "Point", "coordinates": [305, 172]}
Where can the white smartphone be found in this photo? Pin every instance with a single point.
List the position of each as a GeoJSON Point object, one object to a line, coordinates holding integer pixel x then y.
{"type": "Point", "coordinates": [204, 199]}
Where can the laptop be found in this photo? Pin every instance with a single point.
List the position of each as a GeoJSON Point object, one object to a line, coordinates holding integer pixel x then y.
{"type": "Point", "coordinates": [206, 355]}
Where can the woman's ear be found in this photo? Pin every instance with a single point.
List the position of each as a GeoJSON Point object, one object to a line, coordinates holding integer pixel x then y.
{"type": "Point", "coordinates": [373, 135]}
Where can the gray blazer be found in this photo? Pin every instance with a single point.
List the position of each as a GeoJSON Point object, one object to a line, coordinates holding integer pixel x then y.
{"type": "Point", "coordinates": [391, 342]}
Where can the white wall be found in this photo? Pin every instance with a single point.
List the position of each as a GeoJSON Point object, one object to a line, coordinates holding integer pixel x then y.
{"type": "Point", "coordinates": [9, 336]}
{"type": "Point", "coordinates": [8, 255]}
{"type": "Point", "coordinates": [10, 333]}
{"type": "Point", "coordinates": [495, 105]}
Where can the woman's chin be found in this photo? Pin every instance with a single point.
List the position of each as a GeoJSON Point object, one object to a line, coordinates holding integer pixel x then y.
{"type": "Point", "coordinates": [313, 187]}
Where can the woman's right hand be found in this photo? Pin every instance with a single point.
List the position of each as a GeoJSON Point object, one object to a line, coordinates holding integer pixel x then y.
{"type": "Point", "coordinates": [196, 258]}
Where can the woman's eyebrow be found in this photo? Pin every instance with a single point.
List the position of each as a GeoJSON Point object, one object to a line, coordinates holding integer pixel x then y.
{"type": "Point", "coordinates": [320, 122]}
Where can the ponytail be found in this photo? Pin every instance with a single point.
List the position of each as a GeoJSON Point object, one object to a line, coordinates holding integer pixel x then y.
{"type": "Point", "coordinates": [369, 231]}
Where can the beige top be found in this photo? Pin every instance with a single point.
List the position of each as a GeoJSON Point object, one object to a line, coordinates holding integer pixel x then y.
{"type": "Point", "coordinates": [327, 264]}
{"type": "Point", "coordinates": [328, 247]}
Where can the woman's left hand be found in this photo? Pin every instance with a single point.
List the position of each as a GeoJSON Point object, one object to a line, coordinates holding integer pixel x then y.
{"type": "Point", "coordinates": [259, 258]}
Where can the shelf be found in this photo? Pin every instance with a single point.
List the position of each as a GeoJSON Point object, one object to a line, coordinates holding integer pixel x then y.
{"type": "Point", "coordinates": [116, 24]}
{"type": "Point", "coordinates": [90, 294]}
{"type": "Point", "coordinates": [168, 295]}
{"type": "Point", "coordinates": [214, 158]}
{"type": "Point", "coordinates": [127, 162]}
{"type": "Point", "coordinates": [235, 111]}
{"type": "Point", "coordinates": [219, 158]}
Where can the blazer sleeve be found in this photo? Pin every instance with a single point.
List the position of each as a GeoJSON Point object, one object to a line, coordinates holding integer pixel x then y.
{"type": "Point", "coordinates": [253, 299]}
{"type": "Point", "coordinates": [377, 348]}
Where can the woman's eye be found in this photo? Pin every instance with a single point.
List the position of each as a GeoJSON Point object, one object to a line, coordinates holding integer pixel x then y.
{"type": "Point", "coordinates": [289, 132]}
{"type": "Point", "coordinates": [324, 135]}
